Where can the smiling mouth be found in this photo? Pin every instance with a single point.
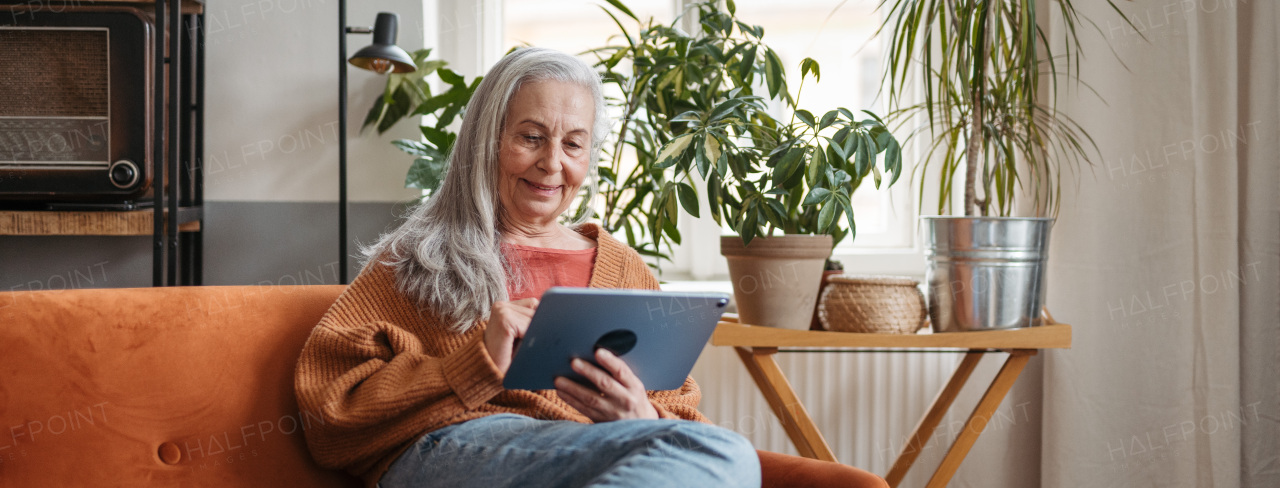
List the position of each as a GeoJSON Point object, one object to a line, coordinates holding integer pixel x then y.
{"type": "Point", "coordinates": [538, 187]}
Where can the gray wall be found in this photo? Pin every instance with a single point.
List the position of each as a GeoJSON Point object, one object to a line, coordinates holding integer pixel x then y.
{"type": "Point", "coordinates": [271, 158]}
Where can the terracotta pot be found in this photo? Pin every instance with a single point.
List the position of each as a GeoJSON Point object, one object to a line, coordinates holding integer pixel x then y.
{"type": "Point", "coordinates": [775, 279]}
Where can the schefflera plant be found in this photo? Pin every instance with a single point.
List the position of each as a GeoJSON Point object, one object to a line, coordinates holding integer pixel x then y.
{"type": "Point", "coordinates": [764, 176]}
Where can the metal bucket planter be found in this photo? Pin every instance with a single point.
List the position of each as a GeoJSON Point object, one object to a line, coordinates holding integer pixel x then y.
{"type": "Point", "coordinates": [985, 272]}
{"type": "Point", "coordinates": [776, 279]}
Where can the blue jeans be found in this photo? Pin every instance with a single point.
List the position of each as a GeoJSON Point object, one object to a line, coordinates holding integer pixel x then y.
{"type": "Point", "coordinates": [518, 451]}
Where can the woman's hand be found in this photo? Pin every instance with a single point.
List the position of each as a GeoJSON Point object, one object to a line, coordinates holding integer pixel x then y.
{"type": "Point", "coordinates": [507, 323]}
{"type": "Point", "coordinates": [618, 393]}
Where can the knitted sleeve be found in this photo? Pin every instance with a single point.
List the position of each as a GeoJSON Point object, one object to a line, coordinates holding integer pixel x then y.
{"type": "Point", "coordinates": [375, 385]}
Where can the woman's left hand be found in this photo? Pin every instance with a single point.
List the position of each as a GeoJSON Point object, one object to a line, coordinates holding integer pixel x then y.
{"type": "Point", "coordinates": [618, 393]}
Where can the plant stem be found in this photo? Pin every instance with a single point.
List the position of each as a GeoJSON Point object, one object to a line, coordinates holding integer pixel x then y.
{"type": "Point", "coordinates": [974, 146]}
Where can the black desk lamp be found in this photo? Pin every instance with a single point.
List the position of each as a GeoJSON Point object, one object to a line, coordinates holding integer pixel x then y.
{"type": "Point", "coordinates": [382, 57]}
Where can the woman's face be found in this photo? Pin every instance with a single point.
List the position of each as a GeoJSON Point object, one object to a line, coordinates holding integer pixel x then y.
{"type": "Point", "coordinates": [544, 151]}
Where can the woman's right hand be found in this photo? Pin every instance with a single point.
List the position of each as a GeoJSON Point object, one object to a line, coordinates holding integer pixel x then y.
{"type": "Point", "coordinates": [507, 324]}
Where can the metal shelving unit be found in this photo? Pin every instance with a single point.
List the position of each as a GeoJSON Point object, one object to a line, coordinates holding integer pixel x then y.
{"type": "Point", "coordinates": [176, 215]}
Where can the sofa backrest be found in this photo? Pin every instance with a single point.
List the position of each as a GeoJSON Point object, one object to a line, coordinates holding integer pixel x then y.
{"type": "Point", "coordinates": [185, 386]}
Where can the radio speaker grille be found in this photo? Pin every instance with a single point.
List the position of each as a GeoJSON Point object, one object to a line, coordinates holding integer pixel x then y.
{"type": "Point", "coordinates": [53, 73]}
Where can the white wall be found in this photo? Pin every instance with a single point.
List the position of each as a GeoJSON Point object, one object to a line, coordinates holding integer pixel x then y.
{"type": "Point", "coordinates": [271, 81]}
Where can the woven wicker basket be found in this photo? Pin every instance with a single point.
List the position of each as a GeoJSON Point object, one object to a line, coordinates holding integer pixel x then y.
{"type": "Point", "coordinates": [878, 304]}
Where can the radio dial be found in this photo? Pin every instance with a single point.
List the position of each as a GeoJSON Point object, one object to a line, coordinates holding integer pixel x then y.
{"type": "Point", "coordinates": [123, 173]}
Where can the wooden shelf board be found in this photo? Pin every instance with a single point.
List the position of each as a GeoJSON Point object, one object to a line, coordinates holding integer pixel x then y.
{"type": "Point", "coordinates": [1054, 336]}
{"type": "Point", "coordinates": [97, 223]}
{"type": "Point", "coordinates": [188, 6]}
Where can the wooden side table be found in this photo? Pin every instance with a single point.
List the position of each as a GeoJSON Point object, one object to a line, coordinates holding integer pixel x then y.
{"type": "Point", "coordinates": [756, 346]}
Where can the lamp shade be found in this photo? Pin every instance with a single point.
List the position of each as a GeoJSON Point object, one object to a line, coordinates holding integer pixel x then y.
{"type": "Point", "coordinates": [383, 56]}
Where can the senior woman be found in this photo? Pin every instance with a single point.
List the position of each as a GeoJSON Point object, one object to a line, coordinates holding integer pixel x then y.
{"type": "Point", "coordinates": [406, 368]}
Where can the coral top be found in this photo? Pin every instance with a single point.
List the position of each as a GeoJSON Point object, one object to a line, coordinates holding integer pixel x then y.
{"type": "Point", "coordinates": [542, 268]}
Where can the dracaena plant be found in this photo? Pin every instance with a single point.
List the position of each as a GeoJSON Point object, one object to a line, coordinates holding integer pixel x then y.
{"type": "Point", "coordinates": [985, 112]}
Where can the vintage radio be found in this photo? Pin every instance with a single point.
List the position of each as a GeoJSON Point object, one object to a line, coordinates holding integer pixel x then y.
{"type": "Point", "coordinates": [76, 90]}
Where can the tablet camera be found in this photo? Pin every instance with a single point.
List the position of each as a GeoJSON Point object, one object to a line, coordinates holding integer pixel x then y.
{"type": "Point", "coordinates": [618, 342]}
{"type": "Point", "coordinates": [722, 302]}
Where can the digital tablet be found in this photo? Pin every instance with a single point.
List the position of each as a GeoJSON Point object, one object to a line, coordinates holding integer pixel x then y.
{"type": "Point", "coordinates": [658, 334]}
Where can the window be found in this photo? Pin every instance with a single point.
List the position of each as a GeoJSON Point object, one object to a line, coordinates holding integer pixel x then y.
{"type": "Point", "coordinates": [842, 42]}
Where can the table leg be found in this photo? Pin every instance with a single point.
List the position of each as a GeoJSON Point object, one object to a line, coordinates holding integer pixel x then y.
{"type": "Point", "coordinates": [981, 415]}
{"type": "Point", "coordinates": [782, 399]}
{"type": "Point", "coordinates": [924, 429]}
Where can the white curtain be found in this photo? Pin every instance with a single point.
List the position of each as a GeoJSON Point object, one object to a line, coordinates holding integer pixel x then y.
{"type": "Point", "coordinates": [1166, 260]}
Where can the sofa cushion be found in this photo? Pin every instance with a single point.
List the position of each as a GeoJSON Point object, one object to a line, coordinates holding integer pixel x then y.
{"type": "Point", "coordinates": [188, 386]}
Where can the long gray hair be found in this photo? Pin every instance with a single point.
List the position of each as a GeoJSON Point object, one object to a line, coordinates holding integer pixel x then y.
{"type": "Point", "coordinates": [447, 255]}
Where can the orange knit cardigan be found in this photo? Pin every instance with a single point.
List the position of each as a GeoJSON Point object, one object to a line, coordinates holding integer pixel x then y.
{"type": "Point", "coordinates": [380, 373]}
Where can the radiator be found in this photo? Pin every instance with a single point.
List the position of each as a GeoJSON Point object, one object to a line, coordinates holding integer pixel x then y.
{"type": "Point", "coordinates": [865, 404]}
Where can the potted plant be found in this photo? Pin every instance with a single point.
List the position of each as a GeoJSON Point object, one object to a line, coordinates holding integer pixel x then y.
{"type": "Point", "coordinates": [989, 83]}
{"type": "Point", "coordinates": [693, 120]}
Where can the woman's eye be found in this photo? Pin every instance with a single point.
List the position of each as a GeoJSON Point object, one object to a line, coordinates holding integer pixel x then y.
{"type": "Point", "coordinates": [532, 138]}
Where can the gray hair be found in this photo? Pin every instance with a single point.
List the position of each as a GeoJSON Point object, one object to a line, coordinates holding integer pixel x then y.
{"type": "Point", "coordinates": [447, 255]}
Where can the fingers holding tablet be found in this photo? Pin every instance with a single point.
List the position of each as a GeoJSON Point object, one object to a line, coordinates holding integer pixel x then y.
{"type": "Point", "coordinates": [617, 393]}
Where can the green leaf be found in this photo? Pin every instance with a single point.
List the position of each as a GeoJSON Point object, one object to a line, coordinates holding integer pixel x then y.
{"type": "Point", "coordinates": [688, 116]}
{"type": "Point", "coordinates": [748, 62]}
{"type": "Point", "coordinates": [672, 204]}
{"type": "Point", "coordinates": [861, 158]}
{"type": "Point", "coordinates": [893, 160]}
{"type": "Point", "coordinates": [725, 108]}
{"type": "Point", "coordinates": [806, 117]}
{"type": "Point", "coordinates": [713, 197]}
{"type": "Point", "coordinates": [699, 156]}
{"type": "Point", "coordinates": [816, 196]}
{"type": "Point", "coordinates": [671, 230]}
{"type": "Point", "coordinates": [375, 113]}
{"type": "Point", "coordinates": [787, 166]}
{"type": "Point", "coordinates": [426, 174]}
{"type": "Point", "coordinates": [837, 236]}
{"type": "Point", "coordinates": [711, 148]}
{"type": "Point", "coordinates": [399, 107]}
{"type": "Point", "coordinates": [874, 116]}
{"type": "Point", "coordinates": [748, 228]}
{"type": "Point", "coordinates": [672, 151]}
{"type": "Point", "coordinates": [843, 199]}
{"type": "Point", "coordinates": [817, 166]}
{"type": "Point", "coordinates": [808, 65]}
{"type": "Point", "coordinates": [448, 76]}
{"type": "Point", "coordinates": [827, 119]}
{"type": "Point", "coordinates": [440, 138]}
{"type": "Point", "coordinates": [733, 9]}
{"type": "Point", "coordinates": [416, 148]}
{"type": "Point", "coordinates": [688, 198]}
{"type": "Point", "coordinates": [623, 8]}
{"type": "Point", "coordinates": [771, 214]}
{"type": "Point", "coordinates": [773, 72]}
{"type": "Point", "coordinates": [826, 216]}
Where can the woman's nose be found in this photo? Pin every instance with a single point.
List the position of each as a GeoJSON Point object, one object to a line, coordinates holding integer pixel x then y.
{"type": "Point", "coordinates": [551, 160]}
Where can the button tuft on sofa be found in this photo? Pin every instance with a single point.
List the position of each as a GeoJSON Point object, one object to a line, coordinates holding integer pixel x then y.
{"type": "Point", "coordinates": [169, 453]}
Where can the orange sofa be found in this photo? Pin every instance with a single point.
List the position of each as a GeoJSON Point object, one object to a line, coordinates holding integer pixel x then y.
{"type": "Point", "coordinates": [186, 386]}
